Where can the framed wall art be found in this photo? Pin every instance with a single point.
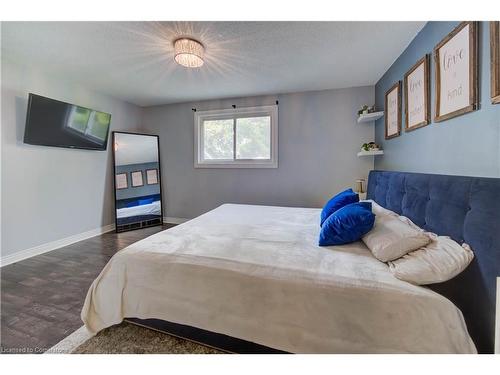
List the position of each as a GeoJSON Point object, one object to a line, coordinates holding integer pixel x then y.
{"type": "Point", "coordinates": [417, 95]}
{"type": "Point", "coordinates": [152, 176]}
{"type": "Point", "coordinates": [456, 60]}
{"type": "Point", "coordinates": [495, 61]}
{"type": "Point", "coordinates": [121, 181]}
{"type": "Point", "coordinates": [392, 111]}
{"type": "Point", "coordinates": [137, 179]}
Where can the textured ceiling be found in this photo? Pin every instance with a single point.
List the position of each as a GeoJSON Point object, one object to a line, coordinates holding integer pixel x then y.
{"type": "Point", "coordinates": [135, 149]}
{"type": "Point", "coordinates": [133, 61]}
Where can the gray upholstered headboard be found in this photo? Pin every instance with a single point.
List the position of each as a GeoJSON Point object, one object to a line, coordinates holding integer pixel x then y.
{"type": "Point", "coordinates": [468, 210]}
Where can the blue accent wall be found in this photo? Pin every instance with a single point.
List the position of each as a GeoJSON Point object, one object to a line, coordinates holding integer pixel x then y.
{"type": "Point", "coordinates": [464, 145]}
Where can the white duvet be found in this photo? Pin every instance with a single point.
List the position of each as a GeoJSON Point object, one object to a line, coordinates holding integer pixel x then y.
{"type": "Point", "coordinates": [145, 209]}
{"type": "Point", "coordinates": [256, 273]}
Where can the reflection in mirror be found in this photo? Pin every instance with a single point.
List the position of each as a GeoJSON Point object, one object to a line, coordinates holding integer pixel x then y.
{"type": "Point", "coordinates": [137, 181]}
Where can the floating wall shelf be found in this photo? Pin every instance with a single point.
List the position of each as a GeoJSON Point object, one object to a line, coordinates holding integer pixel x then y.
{"type": "Point", "coordinates": [370, 153]}
{"type": "Point", "coordinates": [369, 117]}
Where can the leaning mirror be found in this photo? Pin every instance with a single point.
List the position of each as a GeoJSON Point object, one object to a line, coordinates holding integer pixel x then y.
{"type": "Point", "coordinates": [138, 202]}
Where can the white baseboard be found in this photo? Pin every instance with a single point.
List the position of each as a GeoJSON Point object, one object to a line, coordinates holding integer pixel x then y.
{"type": "Point", "coordinates": [174, 220]}
{"type": "Point", "coordinates": [40, 249]}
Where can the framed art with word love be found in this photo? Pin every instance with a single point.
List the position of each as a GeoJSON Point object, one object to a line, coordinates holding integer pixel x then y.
{"type": "Point", "coordinates": [417, 95]}
{"type": "Point", "coordinates": [457, 85]}
{"type": "Point", "coordinates": [393, 111]}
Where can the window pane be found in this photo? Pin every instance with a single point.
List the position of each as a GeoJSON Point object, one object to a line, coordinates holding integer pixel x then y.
{"type": "Point", "coordinates": [217, 139]}
{"type": "Point", "coordinates": [253, 138]}
{"type": "Point", "coordinates": [78, 118]}
{"type": "Point", "coordinates": [98, 125]}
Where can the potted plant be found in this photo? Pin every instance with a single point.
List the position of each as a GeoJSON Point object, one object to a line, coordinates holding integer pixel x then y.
{"type": "Point", "coordinates": [366, 109]}
{"type": "Point", "coordinates": [363, 110]}
{"type": "Point", "coordinates": [370, 146]}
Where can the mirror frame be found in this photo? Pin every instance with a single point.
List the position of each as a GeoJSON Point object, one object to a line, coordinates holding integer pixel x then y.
{"type": "Point", "coordinates": [117, 229]}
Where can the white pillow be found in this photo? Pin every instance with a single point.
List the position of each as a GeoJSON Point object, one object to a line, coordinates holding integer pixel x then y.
{"type": "Point", "coordinates": [379, 210]}
{"type": "Point", "coordinates": [439, 261]}
{"type": "Point", "coordinates": [391, 238]}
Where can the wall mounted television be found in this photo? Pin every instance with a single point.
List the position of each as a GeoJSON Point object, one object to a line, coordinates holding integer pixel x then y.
{"type": "Point", "coordinates": [50, 122]}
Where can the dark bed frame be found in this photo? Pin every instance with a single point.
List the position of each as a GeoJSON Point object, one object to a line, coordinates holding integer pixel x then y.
{"type": "Point", "coordinates": [466, 209]}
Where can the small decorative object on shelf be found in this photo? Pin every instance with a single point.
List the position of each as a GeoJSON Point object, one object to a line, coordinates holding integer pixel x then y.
{"type": "Point", "coordinates": [359, 188]}
{"type": "Point", "coordinates": [366, 109]}
{"type": "Point", "coordinates": [370, 149]}
{"type": "Point", "coordinates": [370, 146]}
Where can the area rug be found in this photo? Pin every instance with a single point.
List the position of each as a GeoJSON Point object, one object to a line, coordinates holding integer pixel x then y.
{"type": "Point", "coordinates": [127, 338]}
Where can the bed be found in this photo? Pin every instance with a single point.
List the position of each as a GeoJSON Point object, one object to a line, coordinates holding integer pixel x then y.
{"type": "Point", "coordinates": [468, 210]}
{"type": "Point", "coordinates": [153, 208]}
{"type": "Point", "coordinates": [138, 212]}
{"type": "Point", "coordinates": [254, 273]}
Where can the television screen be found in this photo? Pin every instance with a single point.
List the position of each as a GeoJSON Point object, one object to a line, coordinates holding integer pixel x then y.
{"type": "Point", "coordinates": [51, 122]}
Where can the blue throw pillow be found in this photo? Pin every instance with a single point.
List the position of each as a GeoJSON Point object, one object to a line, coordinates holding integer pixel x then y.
{"type": "Point", "coordinates": [348, 224]}
{"type": "Point", "coordinates": [337, 202]}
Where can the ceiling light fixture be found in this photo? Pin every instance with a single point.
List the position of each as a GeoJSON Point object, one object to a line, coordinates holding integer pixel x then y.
{"type": "Point", "coordinates": [188, 52]}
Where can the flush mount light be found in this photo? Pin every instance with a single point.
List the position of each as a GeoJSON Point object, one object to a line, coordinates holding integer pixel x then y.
{"type": "Point", "coordinates": [188, 52]}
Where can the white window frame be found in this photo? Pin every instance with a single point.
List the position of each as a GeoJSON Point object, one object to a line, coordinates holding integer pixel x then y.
{"type": "Point", "coordinates": [201, 116]}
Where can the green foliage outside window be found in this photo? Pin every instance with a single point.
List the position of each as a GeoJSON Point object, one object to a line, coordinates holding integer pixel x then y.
{"type": "Point", "coordinates": [99, 127]}
{"type": "Point", "coordinates": [253, 138]}
{"type": "Point", "coordinates": [218, 139]}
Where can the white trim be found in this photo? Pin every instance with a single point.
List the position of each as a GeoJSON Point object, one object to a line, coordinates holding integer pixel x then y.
{"type": "Point", "coordinates": [200, 116]}
{"type": "Point", "coordinates": [44, 248]}
{"type": "Point", "coordinates": [239, 164]}
{"type": "Point", "coordinates": [174, 220]}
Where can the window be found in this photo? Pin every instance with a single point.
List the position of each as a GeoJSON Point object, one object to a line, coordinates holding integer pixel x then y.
{"type": "Point", "coordinates": [90, 124]}
{"type": "Point", "coordinates": [237, 138]}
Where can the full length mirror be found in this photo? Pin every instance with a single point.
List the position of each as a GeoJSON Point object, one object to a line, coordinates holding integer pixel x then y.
{"type": "Point", "coordinates": [137, 182]}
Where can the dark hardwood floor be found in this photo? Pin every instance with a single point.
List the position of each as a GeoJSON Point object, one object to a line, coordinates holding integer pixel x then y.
{"type": "Point", "coordinates": [41, 297]}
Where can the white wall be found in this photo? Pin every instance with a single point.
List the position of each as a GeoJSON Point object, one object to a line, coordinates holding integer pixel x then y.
{"type": "Point", "coordinates": [318, 142]}
{"type": "Point", "coordinates": [49, 193]}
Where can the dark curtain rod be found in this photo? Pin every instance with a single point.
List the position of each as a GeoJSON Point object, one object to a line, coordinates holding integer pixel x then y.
{"type": "Point", "coordinates": [233, 105]}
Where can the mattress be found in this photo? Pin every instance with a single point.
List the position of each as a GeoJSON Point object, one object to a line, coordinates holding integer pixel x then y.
{"type": "Point", "coordinates": [145, 209]}
{"type": "Point", "coordinates": [256, 273]}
